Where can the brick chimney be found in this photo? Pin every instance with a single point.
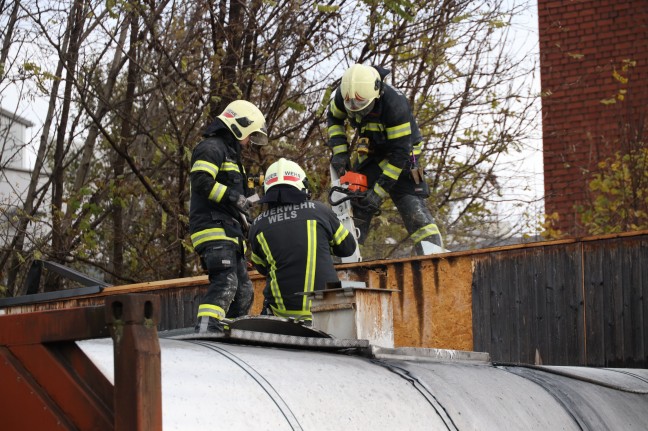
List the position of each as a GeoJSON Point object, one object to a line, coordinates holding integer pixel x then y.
{"type": "Point", "coordinates": [594, 77]}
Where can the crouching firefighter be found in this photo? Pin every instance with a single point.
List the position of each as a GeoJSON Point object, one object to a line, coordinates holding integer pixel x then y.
{"type": "Point", "coordinates": [218, 209]}
{"type": "Point", "coordinates": [388, 148]}
{"type": "Point", "coordinates": [292, 241]}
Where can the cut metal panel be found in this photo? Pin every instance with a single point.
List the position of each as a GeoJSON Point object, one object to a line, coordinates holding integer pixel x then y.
{"type": "Point", "coordinates": [238, 336]}
{"type": "Point", "coordinates": [421, 354]}
{"type": "Point", "coordinates": [50, 296]}
{"type": "Point", "coordinates": [274, 325]}
{"type": "Point", "coordinates": [73, 274]}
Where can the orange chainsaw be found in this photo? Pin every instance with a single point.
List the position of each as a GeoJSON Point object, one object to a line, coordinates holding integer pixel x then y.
{"type": "Point", "coordinates": [352, 187]}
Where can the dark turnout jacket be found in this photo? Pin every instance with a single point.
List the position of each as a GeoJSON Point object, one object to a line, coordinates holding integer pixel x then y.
{"type": "Point", "coordinates": [390, 127]}
{"type": "Point", "coordinates": [292, 245]}
{"type": "Point", "coordinates": [215, 170]}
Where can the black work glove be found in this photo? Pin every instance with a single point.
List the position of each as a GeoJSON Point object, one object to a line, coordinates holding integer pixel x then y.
{"type": "Point", "coordinates": [340, 162]}
{"type": "Point", "coordinates": [238, 200]}
{"type": "Point", "coordinates": [371, 201]}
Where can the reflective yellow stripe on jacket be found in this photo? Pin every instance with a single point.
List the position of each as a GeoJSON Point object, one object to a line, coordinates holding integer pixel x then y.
{"type": "Point", "coordinates": [340, 234]}
{"type": "Point", "coordinates": [309, 278]}
{"type": "Point", "coordinates": [272, 271]}
{"type": "Point", "coordinates": [212, 234]}
{"type": "Point", "coordinates": [399, 131]}
{"type": "Point", "coordinates": [218, 191]}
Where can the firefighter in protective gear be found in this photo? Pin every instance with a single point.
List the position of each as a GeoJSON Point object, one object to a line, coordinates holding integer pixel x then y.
{"type": "Point", "coordinates": [218, 203]}
{"type": "Point", "coordinates": [389, 146]}
{"type": "Point", "coordinates": [292, 241]}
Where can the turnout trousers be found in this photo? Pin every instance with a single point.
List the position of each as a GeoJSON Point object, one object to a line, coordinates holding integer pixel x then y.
{"type": "Point", "coordinates": [409, 198]}
{"type": "Point", "coordinates": [230, 291]}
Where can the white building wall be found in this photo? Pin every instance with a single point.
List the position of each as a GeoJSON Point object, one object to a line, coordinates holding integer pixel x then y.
{"type": "Point", "coordinates": [15, 177]}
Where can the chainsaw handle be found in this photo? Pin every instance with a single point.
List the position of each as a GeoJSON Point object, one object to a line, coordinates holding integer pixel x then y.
{"type": "Point", "coordinates": [349, 195]}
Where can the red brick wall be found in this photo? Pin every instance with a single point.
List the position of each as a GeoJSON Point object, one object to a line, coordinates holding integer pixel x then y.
{"type": "Point", "coordinates": [584, 46]}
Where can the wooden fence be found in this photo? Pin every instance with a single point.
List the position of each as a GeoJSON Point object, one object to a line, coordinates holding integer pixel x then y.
{"type": "Point", "coordinates": [568, 302]}
{"type": "Point", "coordinates": [578, 302]}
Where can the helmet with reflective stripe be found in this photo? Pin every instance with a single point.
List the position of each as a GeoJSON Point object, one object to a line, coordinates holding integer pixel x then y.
{"type": "Point", "coordinates": [244, 119]}
{"type": "Point", "coordinates": [285, 171]}
{"type": "Point", "coordinates": [360, 86]}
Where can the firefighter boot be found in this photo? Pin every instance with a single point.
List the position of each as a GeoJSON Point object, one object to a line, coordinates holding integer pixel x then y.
{"type": "Point", "coordinates": [431, 245]}
{"type": "Point", "coordinates": [207, 324]}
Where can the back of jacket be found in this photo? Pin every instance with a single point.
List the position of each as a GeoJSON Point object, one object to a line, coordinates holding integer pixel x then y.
{"type": "Point", "coordinates": [292, 244]}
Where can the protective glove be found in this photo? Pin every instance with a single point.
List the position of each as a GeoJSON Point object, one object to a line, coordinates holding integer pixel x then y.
{"type": "Point", "coordinates": [340, 162]}
{"type": "Point", "coordinates": [371, 201]}
{"type": "Point", "coordinates": [238, 200]}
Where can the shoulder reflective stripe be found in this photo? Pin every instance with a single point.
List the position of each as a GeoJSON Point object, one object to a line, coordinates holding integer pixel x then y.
{"type": "Point", "coordinates": [374, 127]}
{"type": "Point", "coordinates": [424, 232]}
{"type": "Point", "coordinates": [213, 234]}
{"type": "Point", "coordinates": [340, 234]}
{"type": "Point", "coordinates": [340, 149]}
{"type": "Point", "coordinates": [299, 314]}
{"type": "Point", "coordinates": [217, 192]}
{"type": "Point", "coordinates": [256, 259]}
{"type": "Point", "coordinates": [399, 131]}
{"type": "Point", "coordinates": [230, 167]}
{"type": "Point", "coordinates": [311, 261]}
{"type": "Point", "coordinates": [211, 310]}
{"type": "Point", "coordinates": [272, 272]}
{"type": "Point", "coordinates": [202, 165]}
{"type": "Point", "coordinates": [336, 130]}
{"type": "Point", "coordinates": [380, 191]}
{"type": "Point", "coordinates": [392, 171]}
{"type": "Point", "coordinates": [337, 112]}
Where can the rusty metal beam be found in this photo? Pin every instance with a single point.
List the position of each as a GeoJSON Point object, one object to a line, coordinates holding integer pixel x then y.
{"type": "Point", "coordinates": [138, 373]}
{"type": "Point", "coordinates": [50, 326]}
{"type": "Point", "coordinates": [49, 383]}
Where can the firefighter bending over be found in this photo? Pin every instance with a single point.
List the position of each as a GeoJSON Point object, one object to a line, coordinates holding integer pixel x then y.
{"type": "Point", "coordinates": [388, 148]}
{"type": "Point", "coordinates": [292, 241]}
{"type": "Point", "coordinates": [218, 205]}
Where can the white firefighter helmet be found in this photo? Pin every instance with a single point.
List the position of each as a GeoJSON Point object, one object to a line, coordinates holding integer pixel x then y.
{"type": "Point", "coordinates": [285, 171]}
{"type": "Point", "coordinates": [360, 86]}
{"type": "Point", "coordinates": [245, 119]}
